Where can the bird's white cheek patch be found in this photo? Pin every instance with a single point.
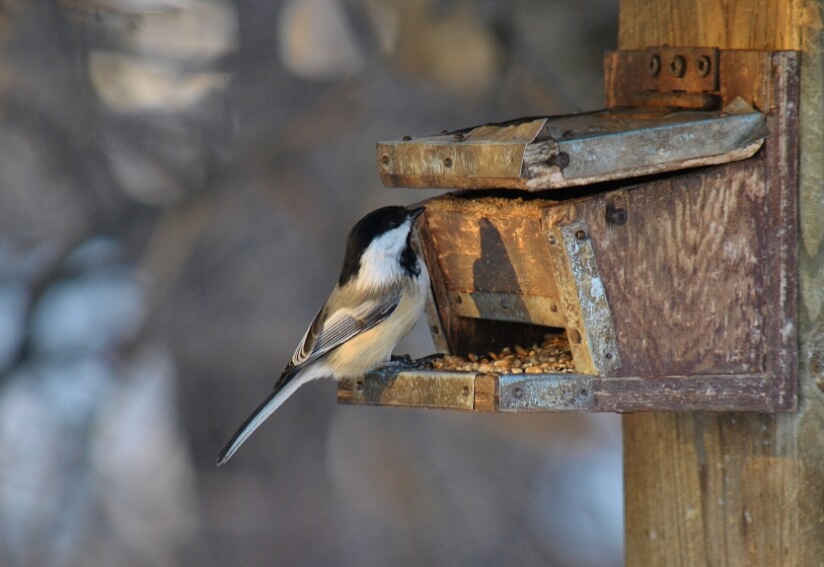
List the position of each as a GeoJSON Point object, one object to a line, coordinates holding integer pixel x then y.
{"type": "Point", "coordinates": [380, 262]}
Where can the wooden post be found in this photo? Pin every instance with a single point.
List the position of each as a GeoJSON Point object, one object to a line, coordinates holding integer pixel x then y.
{"type": "Point", "coordinates": [739, 489]}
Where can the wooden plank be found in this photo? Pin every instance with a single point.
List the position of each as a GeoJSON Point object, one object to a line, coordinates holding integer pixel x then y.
{"type": "Point", "coordinates": [740, 489]}
{"type": "Point", "coordinates": [451, 332]}
{"type": "Point", "coordinates": [770, 25]}
{"type": "Point", "coordinates": [685, 273]}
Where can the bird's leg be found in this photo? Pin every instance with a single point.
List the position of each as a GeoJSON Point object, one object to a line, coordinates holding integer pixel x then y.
{"type": "Point", "coordinates": [405, 362]}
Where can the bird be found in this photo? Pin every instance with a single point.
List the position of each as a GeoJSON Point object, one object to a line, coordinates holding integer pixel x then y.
{"type": "Point", "coordinates": [378, 297]}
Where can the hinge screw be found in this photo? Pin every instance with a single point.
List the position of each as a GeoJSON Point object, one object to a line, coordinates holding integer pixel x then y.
{"type": "Point", "coordinates": [704, 66]}
{"type": "Point", "coordinates": [561, 159]}
{"type": "Point", "coordinates": [678, 66]}
{"type": "Point", "coordinates": [654, 65]}
{"type": "Point", "coordinates": [616, 216]}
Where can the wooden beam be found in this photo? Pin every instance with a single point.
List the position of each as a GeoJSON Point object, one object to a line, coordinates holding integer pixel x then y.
{"type": "Point", "coordinates": [739, 489]}
{"type": "Point", "coordinates": [770, 25]}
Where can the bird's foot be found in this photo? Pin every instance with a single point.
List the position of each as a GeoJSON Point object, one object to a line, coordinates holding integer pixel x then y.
{"type": "Point", "coordinates": [405, 362]}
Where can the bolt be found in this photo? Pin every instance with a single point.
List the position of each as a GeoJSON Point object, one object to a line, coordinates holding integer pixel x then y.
{"type": "Point", "coordinates": [504, 304]}
{"type": "Point", "coordinates": [575, 336]}
{"type": "Point", "coordinates": [616, 216]}
{"type": "Point", "coordinates": [518, 393]}
{"type": "Point", "coordinates": [581, 234]}
{"type": "Point", "coordinates": [553, 307]}
{"type": "Point", "coordinates": [561, 159]}
{"type": "Point", "coordinates": [435, 330]}
{"type": "Point", "coordinates": [582, 393]}
{"type": "Point", "coordinates": [704, 66]}
{"type": "Point", "coordinates": [654, 65]}
{"type": "Point", "coordinates": [608, 356]}
{"type": "Point", "coordinates": [406, 138]}
{"type": "Point", "coordinates": [678, 66]}
{"type": "Point", "coordinates": [553, 241]}
{"type": "Point", "coordinates": [385, 160]}
{"type": "Point", "coordinates": [465, 391]}
{"type": "Point", "coordinates": [447, 162]}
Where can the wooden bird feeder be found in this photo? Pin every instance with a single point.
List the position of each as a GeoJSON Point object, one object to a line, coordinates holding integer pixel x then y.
{"type": "Point", "coordinates": [659, 235]}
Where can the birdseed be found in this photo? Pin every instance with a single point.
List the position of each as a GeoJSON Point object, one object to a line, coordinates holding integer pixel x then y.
{"type": "Point", "coordinates": [552, 355]}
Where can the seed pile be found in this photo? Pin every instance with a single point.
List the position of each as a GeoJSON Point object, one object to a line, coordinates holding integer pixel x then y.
{"type": "Point", "coordinates": [551, 356]}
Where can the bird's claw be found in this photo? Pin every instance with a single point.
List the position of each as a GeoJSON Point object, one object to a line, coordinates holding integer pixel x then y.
{"type": "Point", "coordinates": [405, 362]}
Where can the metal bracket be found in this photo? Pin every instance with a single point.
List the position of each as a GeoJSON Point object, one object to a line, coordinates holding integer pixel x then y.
{"type": "Point", "coordinates": [680, 77]}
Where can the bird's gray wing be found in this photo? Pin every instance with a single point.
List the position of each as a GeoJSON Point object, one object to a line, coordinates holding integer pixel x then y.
{"type": "Point", "coordinates": [330, 329]}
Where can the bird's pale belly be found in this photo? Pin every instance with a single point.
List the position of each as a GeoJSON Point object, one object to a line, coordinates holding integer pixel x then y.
{"type": "Point", "coordinates": [370, 349]}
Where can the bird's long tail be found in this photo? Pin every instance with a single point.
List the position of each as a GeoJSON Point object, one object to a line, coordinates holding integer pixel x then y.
{"type": "Point", "coordinates": [282, 391]}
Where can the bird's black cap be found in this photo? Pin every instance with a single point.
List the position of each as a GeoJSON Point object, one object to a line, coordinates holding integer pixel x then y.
{"type": "Point", "coordinates": [367, 229]}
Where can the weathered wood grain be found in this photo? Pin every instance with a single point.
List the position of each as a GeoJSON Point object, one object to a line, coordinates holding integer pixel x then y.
{"type": "Point", "coordinates": [452, 333]}
{"type": "Point", "coordinates": [769, 25]}
{"type": "Point", "coordinates": [685, 275]}
{"type": "Point", "coordinates": [740, 489]}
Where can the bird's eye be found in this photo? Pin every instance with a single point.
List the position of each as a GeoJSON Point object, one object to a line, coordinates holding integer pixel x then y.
{"type": "Point", "coordinates": [393, 223]}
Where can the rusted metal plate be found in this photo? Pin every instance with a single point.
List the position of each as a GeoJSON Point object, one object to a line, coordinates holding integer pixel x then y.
{"type": "Point", "coordinates": [663, 76]}
{"type": "Point", "coordinates": [567, 151]}
{"type": "Point", "coordinates": [584, 300]}
{"type": "Point", "coordinates": [579, 392]}
{"type": "Point", "coordinates": [445, 390]}
{"type": "Point", "coordinates": [538, 310]}
{"type": "Point", "coordinates": [546, 392]}
{"type": "Point", "coordinates": [494, 153]}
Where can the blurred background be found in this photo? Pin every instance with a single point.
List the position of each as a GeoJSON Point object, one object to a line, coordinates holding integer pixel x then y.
{"type": "Point", "coordinates": [178, 177]}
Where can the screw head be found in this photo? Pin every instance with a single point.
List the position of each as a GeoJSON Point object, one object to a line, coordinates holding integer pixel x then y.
{"type": "Point", "coordinates": [447, 162]}
{"type": "Point", "coordinates": [518, 393]}
{"type": "Point", "coordinates": [561, 159]}
{"type": "Point", "coordinates": [678, 66]}
{"type": "Point", "coordinates": [703, 65]}
{"type": "Point", "coordinates": [385, 160]}
{"type": "Point", "coordinates": [617, 216]}
{"type": "Point", "coordinates": [581, 234]}
{"type": "Point", "coordinates": [654, 65]}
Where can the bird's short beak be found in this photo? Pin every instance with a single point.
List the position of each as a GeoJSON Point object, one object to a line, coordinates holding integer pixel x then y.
{"type": "Point", "coordinates": [416, 212]}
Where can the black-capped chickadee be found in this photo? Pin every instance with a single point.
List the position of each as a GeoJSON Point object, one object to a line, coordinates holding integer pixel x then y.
{"type": "Point", "coordinates": [378, 298]}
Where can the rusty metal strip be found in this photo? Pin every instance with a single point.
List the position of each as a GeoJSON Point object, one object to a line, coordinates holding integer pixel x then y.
{"type": "Point", "coordinates": [579, 392]}
{"type": "Point", "coordinates": [546, 392]}
{"type": "Point", "coordinates": [662, 76]}
{"type": "Point", "coordinates": [445, 390]}
{"type": "Point", "coordinates": [583, 299]}
{"type": "Point", "coordinates": [664, 144]}
{"type": "Point", "coordinates": [485, 152]}
{"type": "Point", "coordinates": [536, 310]}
